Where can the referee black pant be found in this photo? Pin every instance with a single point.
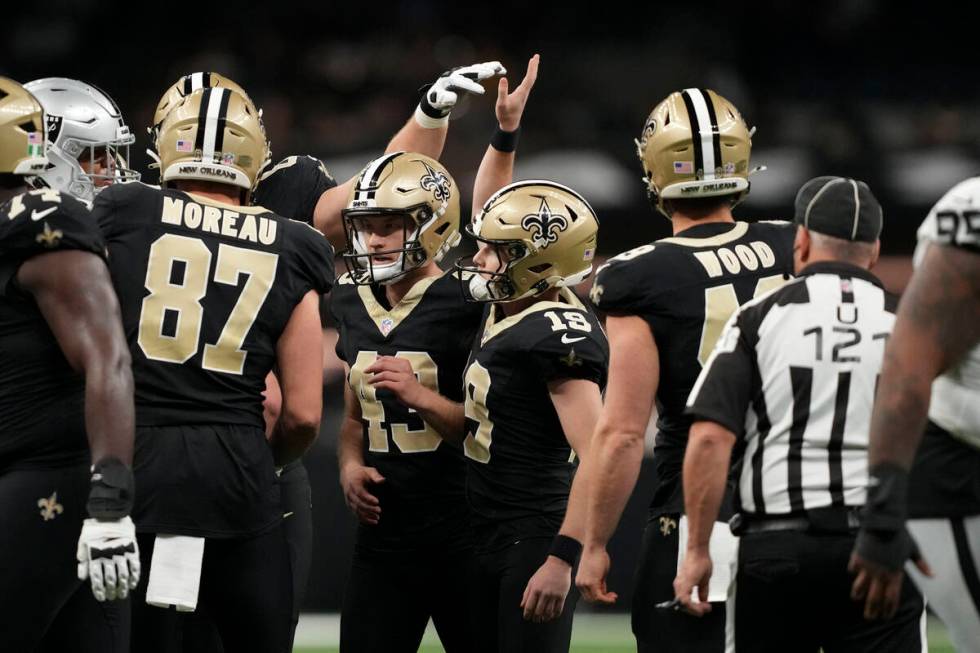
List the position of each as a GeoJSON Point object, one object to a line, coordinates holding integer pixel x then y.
{"type": "Point", "coordinates": [792, 593]}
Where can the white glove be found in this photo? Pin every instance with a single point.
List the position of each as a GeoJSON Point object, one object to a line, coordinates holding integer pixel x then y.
{"type": "Point", "coordinates": [109, 557]}
{"type": "Point", "coordinates": [439, 100]}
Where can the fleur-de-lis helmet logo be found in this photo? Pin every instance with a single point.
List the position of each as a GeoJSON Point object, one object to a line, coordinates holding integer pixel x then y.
{"type": "Point", "coordinates": [437, 182]}
{"type": "Point", "coordinates": [544, 225]}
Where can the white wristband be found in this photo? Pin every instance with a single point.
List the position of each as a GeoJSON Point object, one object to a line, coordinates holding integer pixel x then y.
{"type": "Point", "coordinates": [429, 122]}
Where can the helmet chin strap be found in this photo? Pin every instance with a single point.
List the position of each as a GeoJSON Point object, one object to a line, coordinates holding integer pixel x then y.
{"type": "Point", "coordinates": [480, 288]}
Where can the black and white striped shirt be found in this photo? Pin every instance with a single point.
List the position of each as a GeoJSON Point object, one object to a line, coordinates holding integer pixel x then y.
{"type": "Point", "coordinates": [794, 376]}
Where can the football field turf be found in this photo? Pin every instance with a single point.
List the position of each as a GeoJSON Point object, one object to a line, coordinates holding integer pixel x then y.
{"type": "Point", "coordinates": [593, 633]}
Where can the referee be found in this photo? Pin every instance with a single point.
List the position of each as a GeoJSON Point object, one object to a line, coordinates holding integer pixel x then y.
{"type": "Point", "coordinates": [791, 385]}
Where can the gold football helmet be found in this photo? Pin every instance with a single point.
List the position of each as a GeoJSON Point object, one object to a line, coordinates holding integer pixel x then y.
{"type": "Point", "coordinates": [695, 144]}
{"type": "Point", "coordinates": [214, 134]}
{"type": "Point", "coordinates": [23, 139]}
{"type": "Point", "coordinates": [545, 235]}
{"type": "Point", "coordinates": [406, 184]}
{"type": "Point", "coordinates": [184, 87]}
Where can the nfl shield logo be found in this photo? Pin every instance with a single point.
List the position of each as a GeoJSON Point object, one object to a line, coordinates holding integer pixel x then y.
{"type": "Point", "coordinates": [228, 158]}
{"type": "Point", "coordinates": [387, 325]}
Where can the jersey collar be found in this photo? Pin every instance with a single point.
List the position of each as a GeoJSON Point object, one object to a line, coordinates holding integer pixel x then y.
{"type": "Point", "coordinates": [388, 320]}
{"type": "Point", "coordinates": [841, 269]}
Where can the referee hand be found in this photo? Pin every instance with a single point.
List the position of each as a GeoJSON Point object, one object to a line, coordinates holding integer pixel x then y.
{"type": "Point", "coordinates": [695, 571]}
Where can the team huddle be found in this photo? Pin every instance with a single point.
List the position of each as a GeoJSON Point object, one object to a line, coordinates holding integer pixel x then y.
{"type": "Point", "coordinates": [161, 378]}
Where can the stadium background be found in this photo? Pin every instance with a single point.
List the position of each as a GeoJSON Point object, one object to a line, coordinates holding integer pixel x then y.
{"type": "Point", "coordinates": [878, 90]}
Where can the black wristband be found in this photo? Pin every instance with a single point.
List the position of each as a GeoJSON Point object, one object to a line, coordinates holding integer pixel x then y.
{"type": "Point", "coordinates": [566, 548]}
{"type": "Point", "coordinates": [427, 107]}
{"type": "Point", "coordinates": [111, 493]}
{"type": "Point", "coordinates": [505, 141]}
{"type": "Point", "coordinates": [886, 548]}
{"type": "Point", "coordinates": [885, 507]}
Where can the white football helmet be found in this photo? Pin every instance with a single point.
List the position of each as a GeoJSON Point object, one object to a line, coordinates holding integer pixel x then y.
{"type": "Point", "coordinates": [81, 120]}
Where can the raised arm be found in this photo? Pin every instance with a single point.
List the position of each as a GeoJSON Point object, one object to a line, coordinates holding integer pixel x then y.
{"type": "Point", "coordinates": [497, 167]}
{"type": "Point", "coordinates": [425, 133]}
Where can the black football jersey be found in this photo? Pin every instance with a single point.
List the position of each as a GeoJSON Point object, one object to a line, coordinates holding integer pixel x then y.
{"type": "Point", "coordinates": [42, 399]}
{"type": "Point", "coordinates": [686, 287]}
{"type": "Point", "coordinates": [293, 186]}
{"type": "Point", "coordinates": [423, 504]}
{"type": "Point", "coordinates": [206, 289]}
{"type": "Point", "coordinates": [520, 465]}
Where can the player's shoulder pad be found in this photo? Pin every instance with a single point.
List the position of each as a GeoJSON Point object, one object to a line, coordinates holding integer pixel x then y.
{"type": "Point", "coordinates": [346, 279]}
{"type": "Point", "coordinates": [44, 220]}
{"type": "Point", "coordinates": [312, 253]}
{"type": "Point", "coordinates": [293, 187]}
{"type": "Point", "coordinates": [955, 219]}
{"type": "Point", "coordinates": [126, 192]}
{"type": "Point", "coordinates": [566, 341]}
{"type": "Point", "coordinates": [626, 282]}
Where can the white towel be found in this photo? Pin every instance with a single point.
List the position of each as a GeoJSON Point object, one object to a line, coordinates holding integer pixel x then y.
{"type": "Point", "coordinates": [175, 572]}
{"type": "Point", "coordinates": [723, 548]}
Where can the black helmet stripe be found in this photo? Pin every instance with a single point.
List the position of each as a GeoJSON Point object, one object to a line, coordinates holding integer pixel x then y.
{"type": "Point", "coordinates": [368, 181]}
{"type": "Point", "coordinates": [715, 136]}
{"type": "Point", "coordinates": [695, 131]}
{"type": "Point", "coordinates": [219, 139]}
{"type": "Point", "coordinates": [202, 117]}
{"type": "Point", "coordinates": [704, 131]}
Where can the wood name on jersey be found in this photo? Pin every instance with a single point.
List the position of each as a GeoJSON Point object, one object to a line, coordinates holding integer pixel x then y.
{"type": "Point", "coordinates": [215, 220]}
{"type": "Point", "coordinates": [741, 257]}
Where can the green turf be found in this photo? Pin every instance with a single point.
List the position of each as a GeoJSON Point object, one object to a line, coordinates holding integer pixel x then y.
{"type": "Point", "coordinates": [610, 634]}
{"type": "Point", "coordinates": [438, 649]}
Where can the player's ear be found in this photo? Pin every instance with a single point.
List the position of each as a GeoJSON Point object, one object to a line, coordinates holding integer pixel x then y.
{"type": "Point", "coordinates": [801, 247]}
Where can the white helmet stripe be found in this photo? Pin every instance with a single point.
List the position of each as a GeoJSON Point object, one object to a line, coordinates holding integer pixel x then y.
{"type": "Point", "coordinates": [211, 123]}
{"type": "Point", "coordinates": [705, 137]}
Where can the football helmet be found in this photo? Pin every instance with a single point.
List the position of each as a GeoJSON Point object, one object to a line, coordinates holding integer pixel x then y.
{"type": "Point", "coordinates": [181, 89]}
{"type": "Point", "coordinates": [81, 119]}
{"type": "Point", "coordinates": [406, 184]}
{"type": "Point", "coordinates": [545, 235]}
{"type": "Point", "coordinates": [23, 141]}
{"type": "Point", "coordinates": [214, 134]}
{"type": "Point", "coordinates": [695, 144]}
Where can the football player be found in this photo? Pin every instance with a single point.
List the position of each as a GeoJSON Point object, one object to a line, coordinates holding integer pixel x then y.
{"type": "Point", "coordinates": [87, 148]}
{"type": "Point", "coordinates": [532, 398]}
{"type": "Point", "coordinates": [66, 405]}
{"type": "Point", "coordinates": [213, 294]}
{"type": "Point", "coordinates": [405, 333]}
{"type": "Point", "coordinates": [88, 140]}
{"type": "Point", "coordinates": [925, 432]}
{"type": "Point", "coordinates": [666, 304]}
{"type": "Point", "coordinates": [291, 188]}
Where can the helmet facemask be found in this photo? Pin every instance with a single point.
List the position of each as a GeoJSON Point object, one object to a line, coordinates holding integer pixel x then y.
{"type": "Point", "coordinates": [492, 285]}
{"type": "Point", "coordinates": [362, 263]}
